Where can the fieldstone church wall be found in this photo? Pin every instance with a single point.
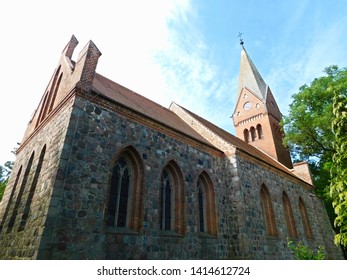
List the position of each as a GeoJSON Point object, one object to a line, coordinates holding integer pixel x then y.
{"type": "Point", "coordinates": [55, 205]}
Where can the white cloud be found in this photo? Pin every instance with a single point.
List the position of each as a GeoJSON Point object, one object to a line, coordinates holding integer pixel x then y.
{"type": "Point", "coordinates": [297, 66]}
{"type": "Point", "coordinates": [191, 77]}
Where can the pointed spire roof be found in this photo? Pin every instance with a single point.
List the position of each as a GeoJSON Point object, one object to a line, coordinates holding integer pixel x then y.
{"type": "Point", "coordinates": [250, 77]}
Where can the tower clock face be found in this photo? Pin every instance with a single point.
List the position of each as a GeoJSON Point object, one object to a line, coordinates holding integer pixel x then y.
{"type": "Point", "coordinates": [247, 105]}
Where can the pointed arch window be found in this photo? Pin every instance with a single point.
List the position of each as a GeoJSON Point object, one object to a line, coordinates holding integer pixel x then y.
{"type": "Point", "coordinates": [206, 205]}
{"type": "Point", "coordinates": [20, 194]}
{"type": "Point", "coordinates": [305, 219]}
{"type": "Point", "coordinates": [125, 199]}
{"type": "Point", "coordinates": [260, 131]}
{"type": "Point", "coordinates": [288, 215]}
{"type": "Point", "coordinates": [246, 135]}
{"type": "Point", "coordinates": [253, 133]}
{"type": "Point", "coordinates": [50, 95]}
{"type": "Point", "coordinates": [166, 201]}
{"type": "Point", "coordinates": [202, 206]}
{"type": "Point", "coordinates": [268, 211]}
{"type": "Point", "coordinates": [54, 94]}
{"type": "Point", "coordinates": [10, 198]}
{"type": "Point", "coordinates": [171, 197]}
{"type": "Point", "coordinates": [32, 190]}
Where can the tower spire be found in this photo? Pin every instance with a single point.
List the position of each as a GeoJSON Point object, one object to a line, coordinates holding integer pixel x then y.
{"type": "Point", "coordinates": [257, 117]}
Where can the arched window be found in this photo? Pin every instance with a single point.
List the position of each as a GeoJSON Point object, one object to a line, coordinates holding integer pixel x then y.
{"type": "Point", "coordinates": [171, 212]}
{"type": "Point", "coordinates": [27, 208]}
{"type": "Point", "coordinates": [288, 215]}
{"type": "Point", "coordinates": [10, 199]}
{"type": "Point", "coordinates": [253, 134]}
{"type": "Point", "coordinates": [268, 211]}
{"type": "Point", "coordinates": [206, 205]}
{"type": "Point", "coordinates": [20, 193]}
{"type": "Point", "coordinates": [305, 219]}
{"type": "Point", "coordinates": [260, 131]}
{"type": "Point", "coordinates": [43, 109]}
{"type": "Point", "coordinates": [125, 200]}
{"type": "Point", "coordinates": [166, 200]}
{"type": "Point", "coordinates": [54, 94]}
{"type": "Point", "coordinates": [50, 95]}
{"type": "Point", "coordinates": [246, 135]}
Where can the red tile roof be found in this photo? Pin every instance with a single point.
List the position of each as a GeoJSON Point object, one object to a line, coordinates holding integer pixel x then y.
{"type": "Point", "coordinates": [158, 113]}
{"type": "Point", "coordinates": [144, 106]}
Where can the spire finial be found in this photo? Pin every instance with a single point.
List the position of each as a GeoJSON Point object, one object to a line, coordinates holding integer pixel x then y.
{"type": "Point", "coordinates": [240, 37]}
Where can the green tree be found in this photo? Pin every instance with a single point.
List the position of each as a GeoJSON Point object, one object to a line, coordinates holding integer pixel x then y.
{"type": "Point", "coordinates": [338, 187]}
{"type": "Point", "coordinates": [5, 172]}
{"type": "Point", "coordinates": [302, 252]}
{"type": "Point", "coordinates": [308, 130]}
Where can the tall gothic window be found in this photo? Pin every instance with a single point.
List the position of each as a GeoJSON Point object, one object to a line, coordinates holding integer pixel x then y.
{"type": "Point", "coordinates": [268, 211]}
{"type": "Point", "coordinates": [10, 200]}
{"type": "Point", "coordinates": [171, 197]}
{"type": "Point", "coordinates": [119, 193]}
{"type": "Point", "coordinates": [125, 200]}
{"type": "Point", "coordinates": [206, 205]}
{"type": "Point", "coordinates": [20, 193]}
{"type": "Point", "coordinates": [32, 190]}
{"type": "Point", "coordinates": [166, 201]}
{"type": "Point", "coordinates": [288, 215]}
{"type": "Point", "coordinates": [50, 95]}
{"type": "Point", "coordinates": [305, 219]}
{"type": "Point", "coordinates": [202, 206]}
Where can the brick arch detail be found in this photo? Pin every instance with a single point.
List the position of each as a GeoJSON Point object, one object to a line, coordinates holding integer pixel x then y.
{"type": "Point", "coordinates": [288, 215]}
{"type": "Point", "coordinates": [268, 211]}
{"type": "Point", "coordinates": [210, 213]}
{"type": "Point", "coordinates": [135, 214]}
{"type": "Point", "coordinates": [178, 199]}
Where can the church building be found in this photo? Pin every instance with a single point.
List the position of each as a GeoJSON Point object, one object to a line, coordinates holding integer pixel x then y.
{"type": "Point", "coordinates": [105, 173]}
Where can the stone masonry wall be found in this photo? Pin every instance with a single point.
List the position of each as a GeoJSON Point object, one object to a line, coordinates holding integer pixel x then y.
{"type": "Point", "coordinates": [76, 225]}
{"type": "Point", "coordinates": [21, 240]}
{"type": "Point", "coordinates": [259, 245]}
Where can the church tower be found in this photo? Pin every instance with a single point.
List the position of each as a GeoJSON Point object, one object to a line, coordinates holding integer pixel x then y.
{"type": "Point", "coordinates": [257, 116]}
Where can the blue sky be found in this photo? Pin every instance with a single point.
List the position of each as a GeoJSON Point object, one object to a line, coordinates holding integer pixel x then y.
{"type": "Point", "coordinates": [185, 51]}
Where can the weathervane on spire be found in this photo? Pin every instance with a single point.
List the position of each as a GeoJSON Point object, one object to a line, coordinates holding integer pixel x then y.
{"type": "Point", "coordinates": [240, 37]}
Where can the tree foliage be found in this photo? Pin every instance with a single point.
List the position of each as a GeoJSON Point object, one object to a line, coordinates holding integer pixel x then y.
{"type": "Point", "coordinates": [338, 187]}
{"type": "Point", "coordinates": [308, 125]}
{"type": "Point", "coordinates": [308, 130]}
{"type": "Point", "coordinates": [5, 172]}
{"type": "Point", "coordinates": [302, 252]}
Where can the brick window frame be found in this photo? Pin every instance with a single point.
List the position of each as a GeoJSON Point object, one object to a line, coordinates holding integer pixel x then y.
{"type": "Point", "coordinates": [177, 223]}
{"type": "Point", "coordinates": [207, 215]}
{"type": "Point", "coordinates": [10, 200]}
{"type": "Point", "coordinates": [305, 219]}
{"type": "Point", "coordinates": [268, 211]}
{"type": "Point", "coordinates": [288, 216]}
{"type": "Point", "coordinates": [32, 190]}
{"type": "Point", "coordinates": [134, 203]}
{"type": "Point", "coordinates": [17, 204]}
